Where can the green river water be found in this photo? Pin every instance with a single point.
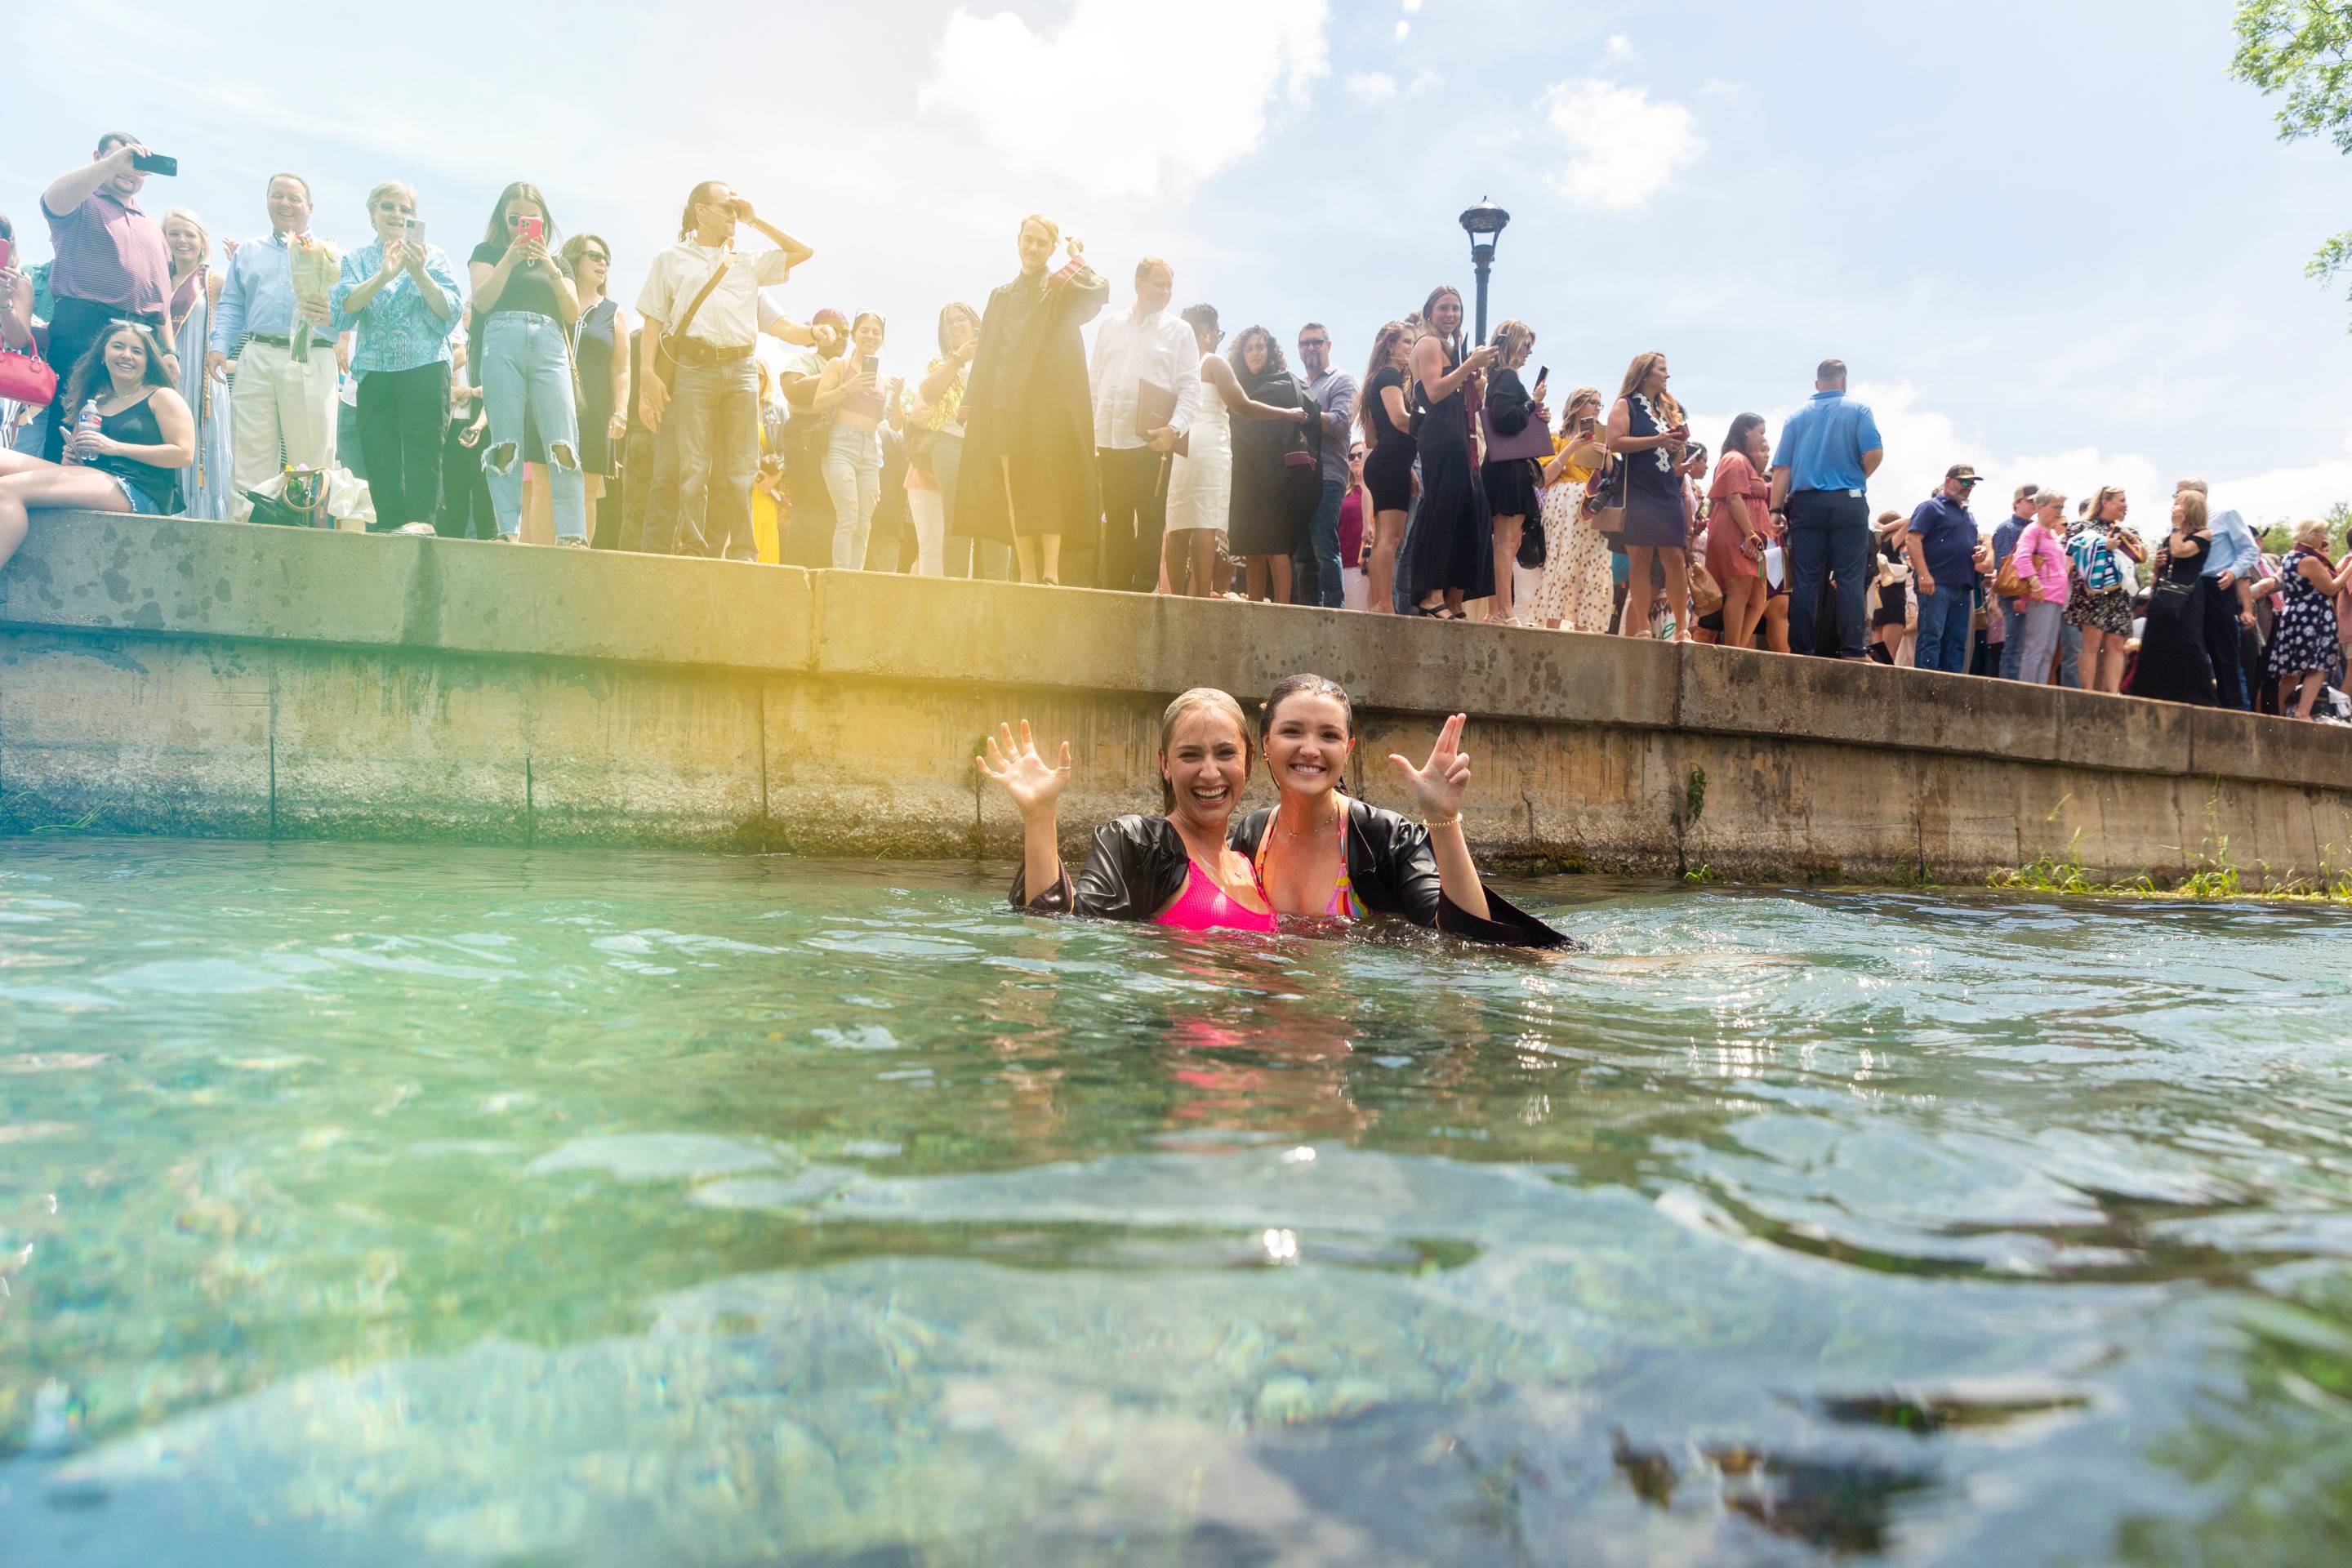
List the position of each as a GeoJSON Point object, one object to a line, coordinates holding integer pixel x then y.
{"type": "Point", "coordinates": [399, 1205]}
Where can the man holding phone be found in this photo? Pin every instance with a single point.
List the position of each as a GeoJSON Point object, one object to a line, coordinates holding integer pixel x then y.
{"type": "Point", "coordinates": [277, 403]}
{"type": "Point", "coordinates": [111, 262]}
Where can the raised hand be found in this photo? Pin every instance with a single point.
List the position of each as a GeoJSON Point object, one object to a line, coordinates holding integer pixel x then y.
{"type": "Point", "coordinates": [1440, 784]}
{"type": "Point", "coordinates": [1014, 764]}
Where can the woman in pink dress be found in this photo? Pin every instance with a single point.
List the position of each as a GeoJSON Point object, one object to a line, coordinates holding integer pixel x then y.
{"type": "Point", "coordinates": [1738, 527]}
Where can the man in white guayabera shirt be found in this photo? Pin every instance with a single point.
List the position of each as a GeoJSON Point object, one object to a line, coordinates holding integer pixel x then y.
{"type": "Point", "coordinates": [1146, 377]}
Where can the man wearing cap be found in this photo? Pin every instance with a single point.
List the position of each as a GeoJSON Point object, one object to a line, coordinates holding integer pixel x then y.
{"type": "Point", "coordinates": [1944, 560]}
{"type": "Point", "coordinates": [2004, 541]}
{"type": "Point", "coordinates": [1829, 449]}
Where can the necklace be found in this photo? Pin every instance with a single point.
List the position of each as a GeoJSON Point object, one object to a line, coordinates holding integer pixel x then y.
{"type": "Point", "coordinates": [1306, 833]}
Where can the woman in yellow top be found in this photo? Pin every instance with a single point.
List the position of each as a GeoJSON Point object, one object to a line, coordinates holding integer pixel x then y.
{"type": "Point", "coordinates": [1576, 593]}
{"type": "Point", "coordinates": [933, 409]}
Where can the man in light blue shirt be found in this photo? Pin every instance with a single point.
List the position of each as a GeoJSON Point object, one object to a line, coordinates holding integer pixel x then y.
{"type": "Point", "coordinates": [1828, 450]}
{"type": "Point", "coordinates": [274, 403]}
{"type": "Point", "coordinates": [2234, 561]}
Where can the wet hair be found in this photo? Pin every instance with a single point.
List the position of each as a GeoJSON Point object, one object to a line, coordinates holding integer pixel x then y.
{"type": "Point", "coordinates": [496, 233]}
{"type": "Point", "coordinates": [952, 309]}
{"type": "Point", "coordinates": [1735, 437]}
{"type": "Point", "coordinates": [90, 374]}
{"type": "Point", "coordinates": [694, 199]}
{"type": "Point", "coordinates": [1384, 342]}
{"type": "Point", "coordinates": [1191, 701]}
{"type": "Point", "coordinates": [1291, 686]}
{"type": "Point", "coordinates": [1238, 354]}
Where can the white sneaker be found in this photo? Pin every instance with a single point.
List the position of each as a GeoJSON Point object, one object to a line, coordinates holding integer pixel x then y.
{"type": "Point", "coordinates": [426, 528]}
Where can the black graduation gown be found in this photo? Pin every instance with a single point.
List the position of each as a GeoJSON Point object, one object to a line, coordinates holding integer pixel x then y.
{"type": "Point", "coordinates": [1026, 400]}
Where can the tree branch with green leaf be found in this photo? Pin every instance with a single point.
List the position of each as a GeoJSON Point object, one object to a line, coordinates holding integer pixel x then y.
{"type": "Point", "coordinates": [2302, 49]}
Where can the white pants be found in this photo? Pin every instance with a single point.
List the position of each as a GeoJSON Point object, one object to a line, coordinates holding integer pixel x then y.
{"type": "Point", "coordinates": [930, 510]}
{"type": "Point", "coordinates": [276, 405]}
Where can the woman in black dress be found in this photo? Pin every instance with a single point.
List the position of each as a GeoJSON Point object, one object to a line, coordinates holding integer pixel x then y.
{"type": "Point", "coordinates": [2173, 664]}
{"type": "Point", "coordinates": [1450, 554]}
{"type": "Point", "coordinates": [1513, 495]}
{"type": "Point", "coordinates": [1276, 481]}
{"type": "Point", "coordinates": [604, 374]}
{"type": "Point", "coordinates": [1387, 423]}
{"type": "Point", "coordinates": [1647, 429]}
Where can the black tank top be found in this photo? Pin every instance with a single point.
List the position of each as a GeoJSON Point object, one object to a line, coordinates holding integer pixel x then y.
{"type": "Point", "coordinates": [136, 427]}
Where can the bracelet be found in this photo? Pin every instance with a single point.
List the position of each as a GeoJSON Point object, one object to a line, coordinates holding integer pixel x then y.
{"type": "Point", "coordinates": [1432, 825]}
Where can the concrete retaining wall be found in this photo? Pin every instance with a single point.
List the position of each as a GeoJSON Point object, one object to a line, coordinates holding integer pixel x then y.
{"type": "Point", "coordinates": [231, 680]}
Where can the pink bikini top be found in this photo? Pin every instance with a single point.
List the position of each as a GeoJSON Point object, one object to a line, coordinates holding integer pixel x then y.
{"type": "Point", "coordinates": [1205, 906]}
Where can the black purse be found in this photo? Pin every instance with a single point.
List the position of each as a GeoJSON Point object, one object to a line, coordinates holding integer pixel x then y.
{"type": "Point", "coordinates": [2169, 601]}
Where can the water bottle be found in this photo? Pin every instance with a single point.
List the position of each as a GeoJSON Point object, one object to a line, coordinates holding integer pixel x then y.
{"type": "Point", "coordinates": [88, 425]}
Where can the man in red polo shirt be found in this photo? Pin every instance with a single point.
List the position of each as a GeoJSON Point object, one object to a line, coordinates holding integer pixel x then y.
{"type": "Point", "coordinates": [111, 263]}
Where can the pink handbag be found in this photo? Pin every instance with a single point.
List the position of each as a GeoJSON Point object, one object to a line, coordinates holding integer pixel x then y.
{"type": "Point", "coordinates": [26, 378]}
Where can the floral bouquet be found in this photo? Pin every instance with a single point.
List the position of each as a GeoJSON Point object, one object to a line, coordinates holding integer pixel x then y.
{"type": "Point", "coordinates": [317, 265]}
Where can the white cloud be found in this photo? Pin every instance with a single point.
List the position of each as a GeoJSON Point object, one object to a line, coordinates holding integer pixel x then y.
{"type": "Point", "coordinates": [1117, 101]}
{"type": "Point", "coordinates": [1716, 86]}
{"type": "Point", "coordinates": [1618, 47]}
{"type": "Point", "coordinates": [1372, 87]}
{"type": "Point", "coordinates": [1622, 148]}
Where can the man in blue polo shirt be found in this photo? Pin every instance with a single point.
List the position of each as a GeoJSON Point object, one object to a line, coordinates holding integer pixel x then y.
{"type": "Point", "coordinates": [1945, 559]}
{"type": "Point", "coordinates": [1829, 449]}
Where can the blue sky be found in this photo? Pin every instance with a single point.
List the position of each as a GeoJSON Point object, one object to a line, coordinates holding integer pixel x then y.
{"type": "Point", "coordinates": [2051, 240]}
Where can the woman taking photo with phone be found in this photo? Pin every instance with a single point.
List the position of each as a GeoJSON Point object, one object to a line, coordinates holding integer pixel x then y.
{"type": "Point", "coordinates": [1576, 593]}
{"type": "Point", "coordinates": [524, 306]}
{"type": "Point", "coordinates": [850, 392]}
{"type": "Point", "coordinates": [1740, 528]}
{"type": "Point", "coordinates": [1646, 428]}
{"type": "Point", "coordinates": [1450, 557]}
{"type": "Point", "coordinates": [1276, 481]}
{"type": "Point", "coordinates": [599, 340]}
{"type": "Point", "coordinates": [398, 294]}
{"type": "Point", "coordinates": [130, 461]}
{"type": "Point", "coordinates": [1510, 482]}
{"type": "Point", "coordinates": [1384, 415]}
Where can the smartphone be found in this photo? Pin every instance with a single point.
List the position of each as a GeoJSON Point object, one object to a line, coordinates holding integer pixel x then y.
{"type": "Point", "coordinates": [1543, 376]}
{"type": "Point", "coordinates": [530, 228]}
{"type": "Point", "coordinates": [155, 163]}
{"type": "Point", "coordinates": [413, 232]}
{"type": "Point", "coordinates": [871, 365]}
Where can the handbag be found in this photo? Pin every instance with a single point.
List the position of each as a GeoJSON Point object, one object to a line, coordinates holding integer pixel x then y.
{"type": "Point", "coordinates": [1604, 503]}
{"type": "Point", "coordinates": [665, 359]}
{"type": "Point", "coordinates": [2009, 583]}
{"type": "Point", "coordinates": [26, 378]}
{"type": "Point", "coordinates": [1532, 441]}
{"type": "Point", "coordinates": [1706, 593]}
{"type": "Point", "coordinates": [2169, 600]}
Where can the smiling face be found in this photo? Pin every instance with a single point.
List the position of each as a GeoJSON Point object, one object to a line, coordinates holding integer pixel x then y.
{"type": "Point", "coordinates": [1206, 764]}
{"type": "Point", "coordinates": [126, 357]}
{"type": "Point", "coordinates": [2114, 509]}
{"type": "Point", "coordinates": [290, 205]}
{"type": "Point", "coordinates": [187, 242]}
{"type": "Point", "coordinates": [868, 335]}
{"type": "Point", "coordinates": [1307, 743]}
{"type": "Point", "coordinates": [1447, 314]}
{"type": "Point", "coordinates": [131, 181]}
{"type": "Point", "coordinates": [958, 329]}
{"type": "Point", "coordinates": [1036, 247]}
{"type": "Point", "coordinates": [1154, 287]}
{"type": "Point", "coordinates": [389, 212]}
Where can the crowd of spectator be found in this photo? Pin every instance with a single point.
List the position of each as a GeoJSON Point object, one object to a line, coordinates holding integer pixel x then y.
{"type": "Point", "coordinates": [514, 398]}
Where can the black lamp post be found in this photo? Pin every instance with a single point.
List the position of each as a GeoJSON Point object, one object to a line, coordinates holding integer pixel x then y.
{"type": "Point", "coordinates": [1484, 223]}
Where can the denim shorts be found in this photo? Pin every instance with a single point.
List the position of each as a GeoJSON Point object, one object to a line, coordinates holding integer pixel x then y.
{"type": "Point", "coordinates": [139, 501]}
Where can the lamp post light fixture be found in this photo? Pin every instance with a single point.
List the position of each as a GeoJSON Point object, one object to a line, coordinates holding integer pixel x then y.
{"type": "Point", "coordinates": [1484, 223]}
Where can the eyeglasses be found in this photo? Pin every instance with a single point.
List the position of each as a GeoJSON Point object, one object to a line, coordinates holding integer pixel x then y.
{"type": "Point", "coordinates": [1313, 342]}
{"type": "Point", "coordinates": [596, 256]}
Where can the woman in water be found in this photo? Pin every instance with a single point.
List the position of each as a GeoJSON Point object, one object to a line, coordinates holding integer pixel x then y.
{"type": "Point", "coordinates": [1321, 852]}
{"type": "Point", "coordinates": [1175, 869]}
{"type": "Point", "coordinates": [1316, 853]}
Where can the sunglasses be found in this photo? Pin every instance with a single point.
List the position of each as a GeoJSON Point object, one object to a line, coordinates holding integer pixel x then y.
{"type": "Point", "coordinates": [596, 256]}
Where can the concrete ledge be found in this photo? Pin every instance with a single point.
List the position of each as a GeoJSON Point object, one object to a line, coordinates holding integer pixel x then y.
{"type": "Point", "coordinates": [107, 572]}
{"type": "Point", "coordinates": [223, 678]}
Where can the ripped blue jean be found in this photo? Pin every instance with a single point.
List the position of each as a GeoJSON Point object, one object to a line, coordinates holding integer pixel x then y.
{"type": "Point", "coordinates": [526, 378]}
